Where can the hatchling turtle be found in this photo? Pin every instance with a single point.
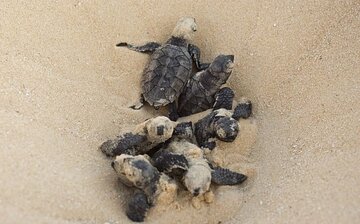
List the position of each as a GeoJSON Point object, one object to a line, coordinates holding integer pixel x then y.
{"type": "Point", "coordinates": [169, 68]}
{"type": "Point", "coordinates": [221, 124]}
{"type": "Point", "coordinates": [147, 136]}
{"type": "Point", "coordinates": [198, 172]}
{"type": "Point", "coordinates": [153, 186]}
{"type": "Point", "coordinates": [203, 91]}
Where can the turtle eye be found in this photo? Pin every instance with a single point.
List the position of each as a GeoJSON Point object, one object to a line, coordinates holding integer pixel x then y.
{"type": "Point", "coordinates": [160, 130]}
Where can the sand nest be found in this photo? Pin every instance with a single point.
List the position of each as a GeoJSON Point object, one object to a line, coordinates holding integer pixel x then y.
{"type": "Point", "coordinates": [65, 89]}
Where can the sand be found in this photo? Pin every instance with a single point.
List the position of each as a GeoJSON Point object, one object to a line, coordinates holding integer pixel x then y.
{"type": "Point", "coordinates": [65, 88]}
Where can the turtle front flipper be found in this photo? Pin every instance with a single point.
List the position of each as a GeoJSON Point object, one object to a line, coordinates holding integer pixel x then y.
{"type": "Point", "coordinates": [137, 207]}
{"type": "Point", "coordinates": [170, 163]}
{"type": "Point", "coordinates": [147, 48]}
{"type": "Point", "coordinates": [184, 130]}
{"type": "Point", "coordinates": [173, 114]}
{"type": "Point", "coordinates": [224, 99]}
{"type": "Point", "coordinates": [242, 110]}
{"type": "Point", "coordinates": [223, 176]}
{"type": "Point", "coordinates": [125, 144]}
{"type": "Point", "coordinates": [195, 54]}
{"type": "Point", "coordinates": [204, 132]}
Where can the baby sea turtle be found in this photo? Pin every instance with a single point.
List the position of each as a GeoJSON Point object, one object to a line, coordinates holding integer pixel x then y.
{"type": "Point", "coordinates": [153, 186]}
{"type": "Point", "coordinates": [221, 124]}
{"type": "Point", "coordinates": [203, 89]}
{"type": "Point", "coordinates": [147, 136]}
{"type": "Point", "coordinates": [198, 175]}
{"type": "Point", "coordinates": [169, 68]}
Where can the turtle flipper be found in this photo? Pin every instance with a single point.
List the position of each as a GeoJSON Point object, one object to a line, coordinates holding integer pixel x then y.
{"type": "Point", "coordinates": [138, 105]}
{"type": "Point", "coordinates": [242, 110]}
{"type": "Point", "coordinates": [209, 144]}
{"type": "Point", "coordinates": [223, 176]}
{"type": "Point", "coordinates": [137, 207]}
{"type": "Point", "coordinates": [125, 144]}
{"type": "Point", "coordinates": [195, 54]}
{"type": "Point", "coordinates": [224, 99]}
{"type": "Point", "coordinates": [147, 48]}
{"type": "Point", "coordinates": [173, 114]}
{"type": "Point", "coordinates": [170, 163]}
{"type": "Point", "coordinates": [184, 130]}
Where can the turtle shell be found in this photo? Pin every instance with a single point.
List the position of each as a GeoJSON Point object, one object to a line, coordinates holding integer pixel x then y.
{"type": "Point", "coordinates": [166, 75]}
{"type": "Point", "coordinates": [195, 98]}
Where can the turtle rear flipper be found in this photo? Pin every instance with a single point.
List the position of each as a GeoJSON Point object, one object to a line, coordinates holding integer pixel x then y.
{"type": "Point", "coordinates": [147, 48]}
{"type": "Point", "coordinates": [138, 105]}
{"type": "Point", "coordinates": [137, 207]}
{"type": "Point", "coordinates": [170, 163]}
{"type": "Point", "coordinates": [224, 99]}
{"type": "Point", "coordinates": [242, 110]}
{"type": "Point", "coordinates": [223, 176]}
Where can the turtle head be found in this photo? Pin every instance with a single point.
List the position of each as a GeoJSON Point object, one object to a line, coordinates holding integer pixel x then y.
{"type": "Point", "coordinates": [222, 64]}
{"type": "Point", "coordinates": [160, 129]}
{"type": "Point", "coordinates": [185, 28]}
{"type": "Point", "coordinates": [226, 129]}
{"type": "Point", "coordinates": [134, 170]}
{"type": "Point", "coordinates": [222, 67]}
{"type": "Point", "coordinates": [198, 179]}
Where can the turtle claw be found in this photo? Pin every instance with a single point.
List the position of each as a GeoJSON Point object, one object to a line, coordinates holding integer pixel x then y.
{"type": "Point", "coordinates": [223, 176]}
{"type": "Point", "coordinates": [137, 207]}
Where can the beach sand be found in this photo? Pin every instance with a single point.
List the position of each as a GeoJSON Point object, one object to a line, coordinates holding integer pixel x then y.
{"type": "Point", "coordinates": [65, 88]}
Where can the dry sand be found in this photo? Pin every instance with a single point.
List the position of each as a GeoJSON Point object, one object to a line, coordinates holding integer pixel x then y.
{"type": "Point", "coordinates": [65, 88]}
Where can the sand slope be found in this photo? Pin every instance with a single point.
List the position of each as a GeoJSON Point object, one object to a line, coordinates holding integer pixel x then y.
{"type": "Point", "coordinates": [65, 88]}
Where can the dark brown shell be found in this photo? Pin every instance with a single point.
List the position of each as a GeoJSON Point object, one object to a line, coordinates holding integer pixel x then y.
{"type": "Point", "coordinates": [166, 75]}
{"type": "Point", "coordinates": [195, 98]}
{"type": "Point", "coordinates": [199, 93]}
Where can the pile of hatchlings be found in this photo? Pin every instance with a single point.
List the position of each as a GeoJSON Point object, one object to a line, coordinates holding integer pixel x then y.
{"type": "Point", "coordinates": [162, 156]}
